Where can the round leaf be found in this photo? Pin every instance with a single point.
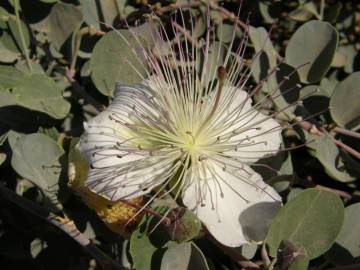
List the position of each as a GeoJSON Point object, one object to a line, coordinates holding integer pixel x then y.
{"type": "Point", "coordinates": [142, 249]}
{"type": "Point", "coordinates": [344, 103]}
{"type": "Point", "coordinates": [103, 11]}
{"type": "Point", "coordinates": [197, 259]}
{"type": "Point", "coordinates": [292, 256]}
{"type": "Point", "coordinates": [40, 93]}
{"type": "Point", "coordinates": [64, 19]}
{"type": "Point", "coordinates": [346, 248]}
{"type": "Point", "coordinates": [6, 55]}
{"type": "Point", "coordinates": [10, 77]}
{"type": "Point", "coordinates": [312, 219]}
{"type": "Point", "coordinates": [185, 227]}
{"type": "Point", "coordinates": [176, 257]}
{"type": "Point", "coordinates": [36, 158]}
{"type": "Point", "coordinates": [324, 149]}
{"type": "Point", "coordinates": [114, 60]}
{"type": "Point", "coordinates": [314, 43]}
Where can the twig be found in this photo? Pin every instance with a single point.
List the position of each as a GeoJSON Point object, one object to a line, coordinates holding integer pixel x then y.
{"type": "Point", "coordinates": [234, 254]}
{"type": "Point", "coordinates": [172, 7]}
{"type": "Point", "coordinates": [167, 220]}
{"type": "Point", "coordinates": [347, 132]}
{"type": "Point", "coordinates": [264, 255]}
{"type": "Point", "coordinates": [80, 91]}
{"type": "Point", "coordinates": [21, 33]}
{"type": "Point", "coordinates": [88, 30]}
{"type": "Point", "coordinates": [311, 128]}
{"type": "Point", "coordinates": [347, 267]}
{"type": "Point", "coordinates": [340, 193]}
{"type": "Point", "coordinates": [185, 33]}
{"type": "Point", "coordinates": [347, 148]}
{"type": "Point", "coordinates": [227, 14]}
{"type": "Point", "coordinates": [64, 224]}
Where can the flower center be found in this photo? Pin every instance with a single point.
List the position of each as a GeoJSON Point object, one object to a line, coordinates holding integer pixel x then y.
{"type": "Point", "coordinates": [190, 143]}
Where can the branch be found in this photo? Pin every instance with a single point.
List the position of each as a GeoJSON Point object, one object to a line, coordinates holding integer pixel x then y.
{"type": "Point", "coordinates": [312, 129]}
{"type": "Point", "coordinates": [234, 254]}
{"type": "Point", "coordinates": [347, 132]}
{"type": "Point", "coordinates": [80, 91]}
{"type": "Point", "coordinates": [340, 193]}
{"type": "Point", "coordinates": [346, 267]}
{"type": "Point", "coordinates": [64, 224]}
{"type": "Point", "coordinates": [227, 14]}
{"type": "Point", "coordinates": [172, 7]}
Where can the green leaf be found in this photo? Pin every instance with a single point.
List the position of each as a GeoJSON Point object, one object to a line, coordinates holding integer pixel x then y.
{"type": "Point", "coordinates": [304, 12]}
{"type": "Point", "coordinates": [269, 10]}
{"type": "Point", "coordinates": [37, 246]}
{"type": "Point", "coordinates": [40, 93]}
{"type": "Point", "coordinates": [324, 149]}
{"type": "Point", "coordinates": [197, 259]}
{"type": "Point", "coordinates": [315, 42]}
{"type": "Point", "coordinates": [176, 257]}
{"type": "Point", "coordinates": [142, 248]}
{"type": "Point", "coordinates": [292, 256]}
{"type": "Point", "coordinates": [266, 60]}
{"type": "Point", "coordinates": [64, 19]}
{"type": "Point", "coordinates": [10, 77]}
{"type": "Point", "coordinates": [344, 103]}
{"type": "Point", "coordinates": [185, 226]}
{"type": "Point", "coordinates": [104, 11]}
{"type": "Point", "coordinates": [248, 251]}
{"type": "Point", "coordinates": [15, 32]}
{"type": "Point", "coordinates": [36, 158]}
{"type": "Point", "coordinates": [225, 32]}
{"type": "Point", "coordinates": [110, 61]}
{"type": "Point", "coordinates": [2, 157]}
{"type": "Point", "coordinates": [312, 219]}
{"type": "Point", "coordinates": [4, 17]}
{"type": "Point", "coordinates": [346, 248]}
{"type": "Point", "coordinates": [6, 55]}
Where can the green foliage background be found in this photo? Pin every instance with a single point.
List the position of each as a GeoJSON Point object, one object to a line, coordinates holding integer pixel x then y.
{"type": "Point", "coordinates": [59, 61]}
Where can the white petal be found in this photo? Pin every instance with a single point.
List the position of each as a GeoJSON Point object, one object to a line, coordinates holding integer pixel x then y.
{"type": "Point", "coordinates": [120, 165]}
{"type": "Point", "coordinates": [250, 134]}
{"type": "Point", "coordinates": [244, 212]}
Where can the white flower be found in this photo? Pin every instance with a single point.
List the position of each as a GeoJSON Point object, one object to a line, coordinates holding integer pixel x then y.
{"type": "Point", "coordinates": [192, 133]}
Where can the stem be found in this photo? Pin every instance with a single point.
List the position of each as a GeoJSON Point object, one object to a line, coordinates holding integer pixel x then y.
{"type": "Point", "coordinates": [79, 35]}
{"type": "Point", "coordinates": [21, 33]}
{"type": "Point", "coordinates": [347, 132]}
{"type": "Point", "coordinates": [118, 8]}
{"type": "Point", "coordinates": [265, 256]}
{"type": "Point", "coordinates": [272, 264]}
{"type": "Point", "coordinates": [322, 7]}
